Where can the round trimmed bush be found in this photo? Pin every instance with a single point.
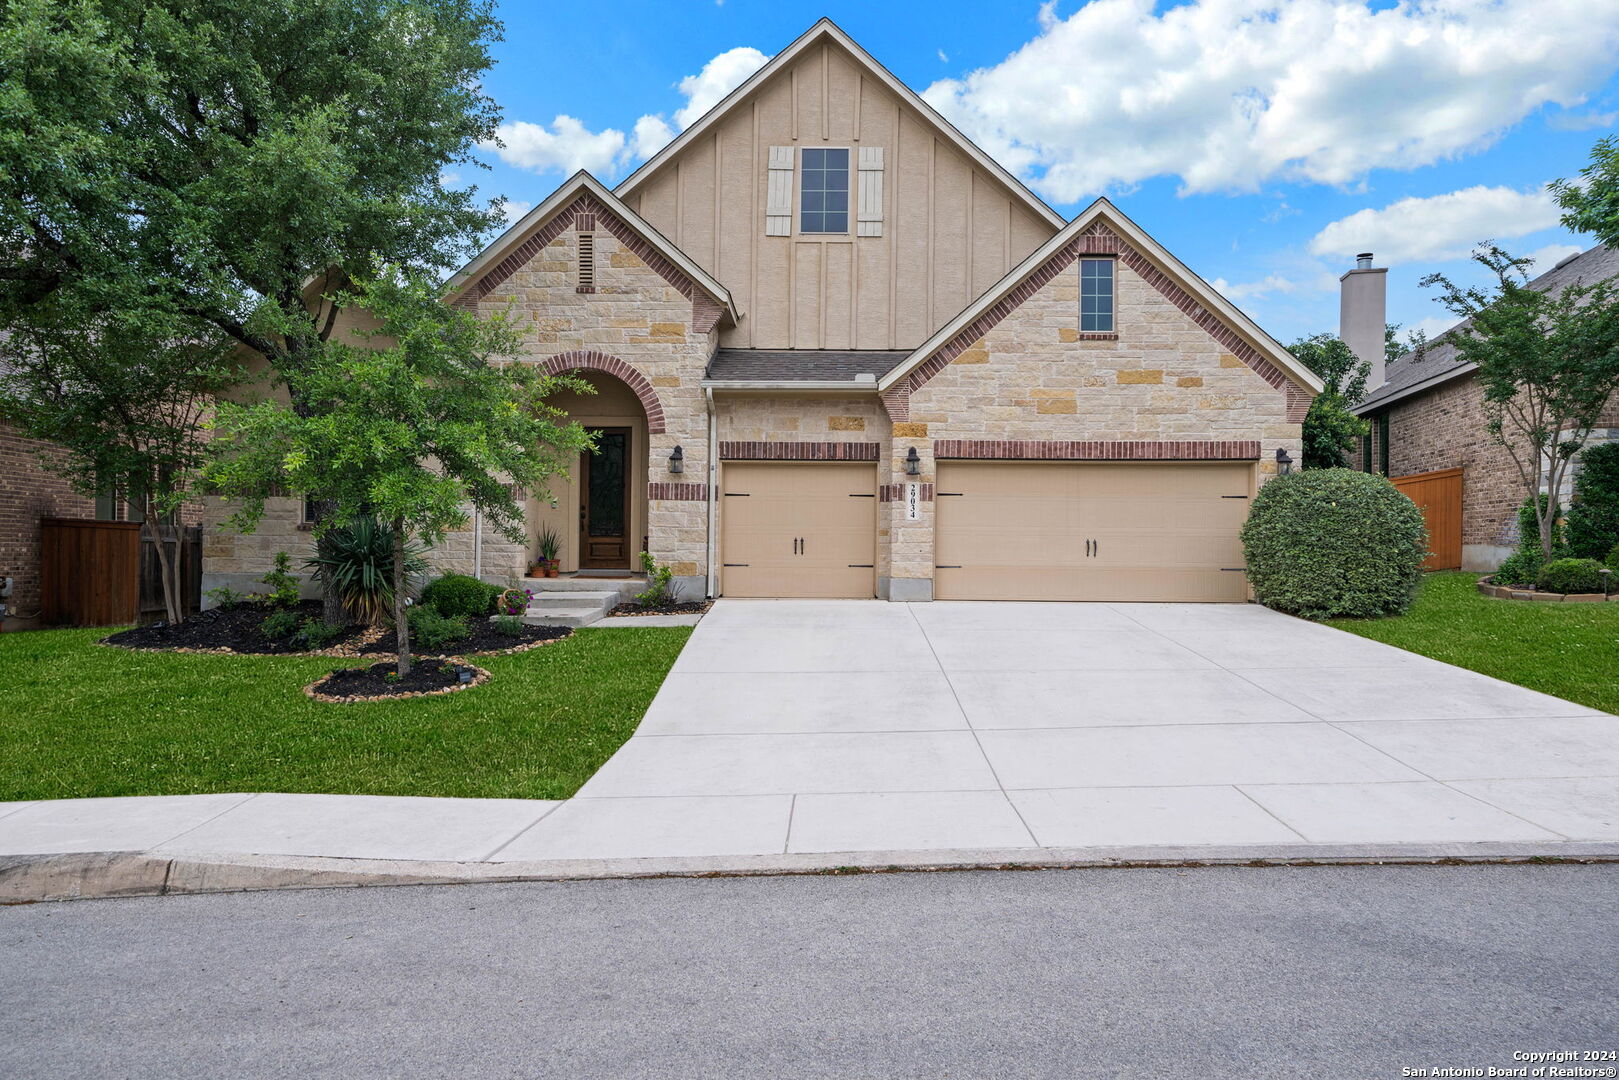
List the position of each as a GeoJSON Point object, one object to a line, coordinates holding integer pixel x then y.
{"type": "Point", "coordinates": [1332, 542]}
{"type": "Point", "coordinates": [1613, 558]}
{"type": "Point", "coordinates": [1519, 569]}
{"type": "Point", "coordinates": [1570, 576]}
{"type": "Point", "coordinates": [457, 595]}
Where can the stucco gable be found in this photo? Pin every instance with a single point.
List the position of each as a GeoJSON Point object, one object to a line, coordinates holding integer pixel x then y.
{"type": "Point", "coordinates": [1102, 230]}
{"type": "Point", "coordinates": [582, 202]}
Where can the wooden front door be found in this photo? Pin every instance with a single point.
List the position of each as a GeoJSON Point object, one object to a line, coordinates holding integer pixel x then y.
{"type": "Point", "coordinates": [604, 502]}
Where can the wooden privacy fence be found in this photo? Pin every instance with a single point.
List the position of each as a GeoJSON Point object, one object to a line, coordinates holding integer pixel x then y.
{"type": "Point", "coordinates": [1439, 496]}
{"type": "Point", "coordinates": [102, 573]}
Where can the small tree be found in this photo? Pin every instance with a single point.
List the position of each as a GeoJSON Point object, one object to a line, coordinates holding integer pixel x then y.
{"type": "Point", "coordinates": [1330, 429]}
{"type": "Point", "coordinates": [427, 418]}
{"type": "Point", "coordinates": [1591, 204]}
{"type": "Point", "coordinates": [124, 390]}
{"type": "Point", "coordinates": [1546, 363]}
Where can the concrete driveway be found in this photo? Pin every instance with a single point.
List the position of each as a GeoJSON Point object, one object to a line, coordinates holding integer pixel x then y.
{"type": "Point", "coordinates": [829, 726]}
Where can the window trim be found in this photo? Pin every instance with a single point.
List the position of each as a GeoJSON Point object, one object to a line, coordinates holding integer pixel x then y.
{"type": "Point", "coordinates": [1112, 327]}
{"type": "Point", "coordinates": [849, 193]}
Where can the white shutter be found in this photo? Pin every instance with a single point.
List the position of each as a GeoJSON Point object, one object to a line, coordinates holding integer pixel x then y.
{"type": "Point", "coordinates": [870, 219]}
{"type": "Point", "coordinates": [779, 193]}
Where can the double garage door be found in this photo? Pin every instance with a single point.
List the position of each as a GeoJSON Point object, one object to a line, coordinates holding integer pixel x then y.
{"type": "Point", "coordinates": [1156, 531]}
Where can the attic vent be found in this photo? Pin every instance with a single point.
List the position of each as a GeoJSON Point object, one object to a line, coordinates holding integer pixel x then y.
{"type": "Point", "coordinates": [587, 262]}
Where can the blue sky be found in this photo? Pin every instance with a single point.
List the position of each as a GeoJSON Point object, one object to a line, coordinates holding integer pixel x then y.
{"type": "Point", "coordinates": [1263, 141]}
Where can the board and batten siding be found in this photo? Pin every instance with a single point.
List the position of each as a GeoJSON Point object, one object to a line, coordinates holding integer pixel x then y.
{"type": "Point", "coordinates": [948, 229]}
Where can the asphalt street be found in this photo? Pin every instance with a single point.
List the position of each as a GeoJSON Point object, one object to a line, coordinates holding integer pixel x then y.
{"type": "Point", "coordinates": [1206, 972]}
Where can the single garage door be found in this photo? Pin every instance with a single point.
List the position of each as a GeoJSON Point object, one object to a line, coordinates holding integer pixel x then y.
{"type": "Point", "coordinates": [793, 528]}
{"type": "Point", "coordinates": [1105, 531]}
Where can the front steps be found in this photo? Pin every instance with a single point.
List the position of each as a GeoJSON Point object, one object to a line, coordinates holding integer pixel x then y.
{"type": "Point", "coordinates": [576, 601]}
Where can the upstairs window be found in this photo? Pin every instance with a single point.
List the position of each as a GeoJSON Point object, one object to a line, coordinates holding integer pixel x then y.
{"type": "Point", "coordinates": [1096, 296]}
{"type": "Point", "coordinates": [823, 192]}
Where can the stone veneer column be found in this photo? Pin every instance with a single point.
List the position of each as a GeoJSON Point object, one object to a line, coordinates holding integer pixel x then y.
{"type": "Point", "coordinates": [910, 562]}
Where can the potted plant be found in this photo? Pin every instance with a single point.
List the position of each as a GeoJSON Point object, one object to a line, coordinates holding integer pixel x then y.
{"type": "Point", "coordinates": [549, 544]}
{"type": "Point", "coordinates": [513, 601]}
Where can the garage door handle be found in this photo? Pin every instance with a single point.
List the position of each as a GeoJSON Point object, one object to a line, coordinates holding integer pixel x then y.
{"type": "Point", "coordinates": [946, 566]}
{"type": "Point", "coordinates": [734, 564]}
{"type": "Point", "coordinates": [863, 495]}
{"type": "Point", "coordinates": [862, 566]}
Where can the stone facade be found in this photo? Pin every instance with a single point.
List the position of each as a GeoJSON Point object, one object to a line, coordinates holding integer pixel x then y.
{"type": "Point", "coordinates": [1446, 428]}
{"type": "Point", "coordinates": [1160, 378]}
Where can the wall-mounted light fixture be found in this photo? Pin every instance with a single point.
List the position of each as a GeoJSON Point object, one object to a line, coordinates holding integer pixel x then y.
{"type": "Point", "coordinates": [913, 462]}
{"type": "Point", "coordinates": [677, 460]}
{"type": "Point", "coordinates": [1284, 461]}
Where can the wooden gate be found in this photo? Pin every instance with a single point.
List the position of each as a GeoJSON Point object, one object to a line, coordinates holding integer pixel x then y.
{"type": "Point", "coordinates": [1439, 496]}
{"type": "Point", "coordinates": [89, 572]}
{"type": "Point", "coordinates": [104, 573]}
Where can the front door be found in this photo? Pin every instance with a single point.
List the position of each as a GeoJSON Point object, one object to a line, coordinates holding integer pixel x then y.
{"type": "Point", "coordinates": [604, 502]}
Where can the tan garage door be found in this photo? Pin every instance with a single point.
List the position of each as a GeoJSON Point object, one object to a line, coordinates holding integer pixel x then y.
{"type": "Point", "coordinates": [798, 529]}
{"type": "Point", "coordinates": [1050, 531]}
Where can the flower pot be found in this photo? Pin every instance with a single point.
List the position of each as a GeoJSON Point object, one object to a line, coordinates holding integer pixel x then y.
{"type": "Point", "coordinates": [551, 571]}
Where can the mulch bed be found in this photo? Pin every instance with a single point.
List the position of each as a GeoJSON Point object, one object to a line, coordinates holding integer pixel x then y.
{"type": "Point", "coordinates": [235, 630]}
{"type": "Point", "coordinates": [688, 607]}
{"type": "Point", "coordinates": [482, 639]}
{"type": "Point", "coordinates": [349, 685]}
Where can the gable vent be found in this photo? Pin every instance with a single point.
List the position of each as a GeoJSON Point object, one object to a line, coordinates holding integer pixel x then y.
{"type": "Point", "coordinates": [587, 262]}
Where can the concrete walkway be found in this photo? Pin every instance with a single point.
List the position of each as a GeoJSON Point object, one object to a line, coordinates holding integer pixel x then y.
{"type": "Point", "coordinates": [816, 729]}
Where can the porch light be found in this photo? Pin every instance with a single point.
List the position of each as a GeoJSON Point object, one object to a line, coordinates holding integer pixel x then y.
{"type": "Point", "coordinates": [1284, 461]}
{"type": "Point", "coordinates": [677, 460]}
{"type": "Point", "coordinates": [913, 463]}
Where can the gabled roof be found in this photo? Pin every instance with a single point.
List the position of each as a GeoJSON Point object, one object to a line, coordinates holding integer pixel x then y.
{"type": "Point", "coordinates": [1439, 362]}
{"type": "Point", "coordinates": [1104, 212]}
{"type": "Point", "coordinates": [582, 183]}
{"type": "Point", "coordinates": [826, 30]}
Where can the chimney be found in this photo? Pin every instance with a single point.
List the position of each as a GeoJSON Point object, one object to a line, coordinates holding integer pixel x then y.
{"type": "Point", "coordinates": [1362, 311]}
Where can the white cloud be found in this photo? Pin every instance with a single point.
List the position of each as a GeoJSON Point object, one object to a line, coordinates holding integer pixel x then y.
{"type": "Point", "coordinates": [1550, 255]}
{"type": "Point", "coordinates": [721, 75]}
{"type": "Point", "coordinates": [1227, 94]}
{"type": "Point", "coordinates": [1439, 227]}
{"type": "Point", "coordinates": [1573, 121]}
{"type": "Point", "coordinates": [1255, 290]}
{"type": "Point", "coordinates": [568, 145]}
{"type": "Point", "coordinates": [1430, 328]}
{"type": "Point", "coordinates": [515, 209]}
{"type": "Point", "coordinates": [943, 57]}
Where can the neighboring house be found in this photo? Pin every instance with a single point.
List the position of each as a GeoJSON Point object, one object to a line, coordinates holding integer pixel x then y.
{"type": "Point", "coordinates": [1427, 415]}
{"type": "Point", "coordinates": [840, 352]}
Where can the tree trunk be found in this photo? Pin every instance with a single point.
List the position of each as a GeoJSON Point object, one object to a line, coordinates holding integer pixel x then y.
{"type": "Point", "coordinates": [165, 571]}
{"type": "Point", "coordinates": [401, 622]}
{"type": "Point", "coordinates": [331, 603]}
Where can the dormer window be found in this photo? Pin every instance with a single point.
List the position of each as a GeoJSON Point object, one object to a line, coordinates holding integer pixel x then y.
{"type": "Point", "coordinates": [1096, 296]}
{"type": "Point", "coordinates": [823, 192]}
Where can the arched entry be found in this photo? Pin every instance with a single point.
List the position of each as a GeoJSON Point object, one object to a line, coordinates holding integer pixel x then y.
{"type": "Point", "coordinates": [599, 510]}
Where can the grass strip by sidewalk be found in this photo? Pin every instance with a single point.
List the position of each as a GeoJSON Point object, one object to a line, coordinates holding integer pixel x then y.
{"type": "Point", "coordinates": [81, 719]}
{"type": "Point", "coordinates": [1568, 650]}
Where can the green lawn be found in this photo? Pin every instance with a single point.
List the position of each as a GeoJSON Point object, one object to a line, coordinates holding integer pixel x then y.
{"type": "Point", "coordinates": [1570, 650]}
{"type": "Point", "coordinates": [80, 719]}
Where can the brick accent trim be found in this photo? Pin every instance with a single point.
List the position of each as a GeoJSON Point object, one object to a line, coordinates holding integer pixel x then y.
{"type": "Point", "coordinates": [1034, 450]}
{"type": "Point", "coordinates": [896, 493]}
{"type": "Point", "coordinates": [800, 451]}
{"type": "Point", "coordinates": [897, 402]}
{"type": "Point", "coordinates": [587, 213]}
{"type": "Point", "coordinates": [665, 491]}
{"type": "Point", "coordinates": [591, 360]}
{"type": "Point", "coordinates": [1100, 240]}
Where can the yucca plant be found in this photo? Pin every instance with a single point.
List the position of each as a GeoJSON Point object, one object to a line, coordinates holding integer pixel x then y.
{"type": "Point", "coordinates": [358, 558]}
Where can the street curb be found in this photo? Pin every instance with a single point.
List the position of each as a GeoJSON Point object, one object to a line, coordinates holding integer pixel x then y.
{"type": "Point", "coordinates": [28, 879]}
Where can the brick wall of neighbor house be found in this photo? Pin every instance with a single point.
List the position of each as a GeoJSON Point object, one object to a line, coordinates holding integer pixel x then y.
{"type": "Point", "coordinates": [1030, 377]}
{"type": "Point", "coordinates": [28, 492]}
{"type": "Point", "coordinates": [1445, 429]}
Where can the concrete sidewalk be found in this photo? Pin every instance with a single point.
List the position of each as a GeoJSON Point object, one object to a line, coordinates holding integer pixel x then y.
{"type": "Point", "coordinates": [796, 734]}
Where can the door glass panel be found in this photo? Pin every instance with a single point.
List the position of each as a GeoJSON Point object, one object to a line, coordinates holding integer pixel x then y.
{"type": "Point", "coordinates": [607, 485]}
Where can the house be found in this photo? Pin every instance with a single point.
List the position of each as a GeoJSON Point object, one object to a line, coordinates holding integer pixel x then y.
{"type": "Point", "coordinates": [1427, 416]}
{"type": "Point", "coordinates": [838, 351]}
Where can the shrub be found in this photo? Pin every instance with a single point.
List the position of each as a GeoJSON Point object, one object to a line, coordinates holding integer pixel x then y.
{"type": "Point", "coordinates": [1613, 559]}
{"type": "Point", "coordinates": [431, 630]}
{"type": "Point", "coordinates": [508, 625]}
{"type": "Point", "coordinates": [358, 559]}
{"type": "Point", "coordinates": [1570, 576]}
{"type": "Point", "coordinates": [280, 625]}
{"type": "Point", "coordinates": [1593, 519]}
{"type": "Point", "coordinates": [318, 633]}
{"type": "Point", "coordinates": [1331, 542]}
{"type": "Point", "coordinates": [227, 597]}
{"type": "Point", "coordinates": [1529, 528]}
{"type": "Point", "coordinates": [458, 594]}
{"type": "Point", "coordinates": [658, 592]}
{"type": "Point", "coordinates": [283, 583]}
{"type": "Point", "coordinates": [1520, 569]}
